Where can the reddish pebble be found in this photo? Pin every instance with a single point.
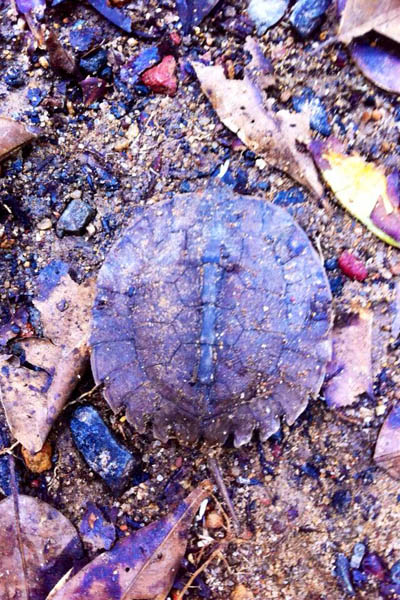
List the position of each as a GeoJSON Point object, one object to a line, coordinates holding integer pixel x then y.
{"type": "Point", "coordinates": [175, 38]}
{"type": "Point", "coordinates": [374, 565]}
{"type": "Point", "coordinates": [161, 78]}
{"type": "Point", "coordinates": [352, 267]}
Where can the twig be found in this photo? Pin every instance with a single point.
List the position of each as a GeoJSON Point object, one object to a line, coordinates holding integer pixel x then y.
{"type": "Point", "coordinates": [9, 449]}
{"type": "Point", "coordinates": [197, 572]}
{"type": "Point", "coordinates": [214, 467]}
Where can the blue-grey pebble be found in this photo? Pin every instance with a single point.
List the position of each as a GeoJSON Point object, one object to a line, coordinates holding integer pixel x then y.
{"type": "Point", "coordinates": [307, 15]}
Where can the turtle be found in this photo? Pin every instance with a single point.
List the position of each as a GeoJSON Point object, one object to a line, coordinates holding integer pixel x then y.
{"type": "Point", "coordinates": [212, 318]}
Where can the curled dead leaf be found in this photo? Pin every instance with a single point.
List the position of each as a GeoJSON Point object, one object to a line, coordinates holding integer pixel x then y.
{"type": "Point", "coordinates": [33, 393]}
{"type": "Point", "coordinates": [360, 17]}
{"type": "Point", "coordinates": [387, 449]}
{"type": "Point", "coordinates": [141, 566]}
{"type": "Point", "coordinates": [37, 546]}
{"type": "Point", "coordinates": [13, 135]}
{"type": "Point", "coordinates": [349, 373]}
{"type": "Point", "coordinates": [276, 137]}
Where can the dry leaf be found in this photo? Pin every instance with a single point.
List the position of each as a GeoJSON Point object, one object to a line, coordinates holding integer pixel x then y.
{"type": "Point", "coordinates": [361, 16]}
{"type": "Point", "coordinates": [59, 58]}
{"type": "Point", "coordinates": [379, 62]}
{"type": "Point", "coordinates": [362, 188]}
{"type": "Point", "coordinates": [34, 395]}
{"type": "Point", "coordinates": [387, 450]}
{"type": "Point", "coordinates": [13, 135]}
{"type": "Point", "coordinates": [141, 566]}
{"type": "Point", "coordinates": [349, 373]}
{"type": "Point", "coordinates": [37, 546]}
{"type": "Point", "coordinates": [273, 136]}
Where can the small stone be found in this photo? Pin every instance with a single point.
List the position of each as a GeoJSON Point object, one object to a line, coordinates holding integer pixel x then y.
{"type": "Point", "coordinates": [307, 15]}
{"type": "Point", "coordinates": [265, 13]}
{"type": "Point", "coordinates": [214, 520]}
{"type": "Point", "coordinates": [95, 530]}
{"type": "Point", "coordinates": [311, 103]}
{"type": "Point", "coordinates": [373, 565]}
{"type": "Point", "coordinates": [341, 500]}
{"type": "Point", "coordinates": [376, 115]}
{"type": "Point", "coordinates": [107, 457]}
{"type": "Point", "coordinates": [94, 62]}
{"type": "Point", "coordinates": [241, 592]}
{"type": "Point", "coordinates": [161, 78]}
{"type": "Point", "coordinates": [74, 218]}
{"type": "Point", "coordinates": [352, 267]}
{"type": "Point", "coordinates": [44, 224]}
{"type": "Point", "coordinates": [5, 475]}
{"type": "Point", "coordinates": [395, 572]}
{"type": "Point", "coordinates": [39, 462]}
{"type": "Point", "coordinates": [293, 195]}
{"type": "Point", "coordinates": [285, 96]}
{"type": "Point", "coordinates": [343, 572]}
{"type": "Point", "coordinates": [357, 556]}
{"type": "Point", "coordinates": [76, 195]}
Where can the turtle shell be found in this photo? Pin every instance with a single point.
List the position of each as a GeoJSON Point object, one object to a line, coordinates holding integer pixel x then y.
{"type": "Point", "coordinates": [212, 317]}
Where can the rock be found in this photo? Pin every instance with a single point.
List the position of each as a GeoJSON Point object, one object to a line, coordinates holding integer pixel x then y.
{"type": "Point", "coordinates": [44, 224]}
{"type": "Point", "coordinates": [307, 15]}
{"type": "Point", "coordinates": [293, 195]}
{"type": "Point", "coordinates": [130, 72]}
{"type": "Point", "coordinates": [242, 593]}
{"type": "Point", "coordinates": [161, 78]}
{"type": "Point", "coordinates": [311, 103]}
{"type": "Point", "coordinates": [341, 500]}
{"type": "Point", "coordinates": [395, 572]}
{"type": "Point", "coordinates": [5, 485]}
{"type": "Point", "coordinates": [372, 564]}
{"type": "Point", "coordinates": [352, 267]}
{"type": "Point", "coordinates": [39, 462]}
{"type": "Point", "coordinates": [357, 556]}
{"type": "Point", "coordinates": [95, 530]}
{"type": "Point", "coordinates": [214, 520]}
{"type": "Point", "coordinates": [107, 457]}
{"type": "Point", "coordinates": [343, 572]}
{"type": "Point", "coordinates": [74, 218]}
{"type": "Point", "coordinates": [94, 62]}
{"type": "Point", "coordinates": [266, 13]}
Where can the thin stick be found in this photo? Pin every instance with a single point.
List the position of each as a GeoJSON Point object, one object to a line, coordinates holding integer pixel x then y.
{"type": "Point", "coordinates": [9, 449]}
{"type": "Point", "coordinates": [214, 467]}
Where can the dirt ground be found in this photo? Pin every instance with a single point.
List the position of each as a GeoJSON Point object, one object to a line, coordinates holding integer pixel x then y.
{"type": "Point", "coordinates": [311, 492]}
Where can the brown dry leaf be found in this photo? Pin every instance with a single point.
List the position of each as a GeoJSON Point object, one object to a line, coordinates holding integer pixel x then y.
{"type": "Point", "coordinates": [387, 450]}
{"type": "Point", "coordinates": [276, 137]}
{"type": "Point", "coordinates": [361, 16]}
{"type": "Point", "coordinates": [60, 59]}
{"type": "Point", "coordinates": [13, 135]}
{"type": "Point", "coordinates": [37, 546]}
{"type": "Point", "coordinates": [33, 398]}
{"type": "Point", "coordinates": [349, 373]}
{"type": "Point", "coordinates": [141, 566]}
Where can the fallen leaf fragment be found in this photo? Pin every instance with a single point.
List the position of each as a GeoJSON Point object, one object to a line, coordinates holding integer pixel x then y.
{"type": "Point", "coordinates": [379, 62]}
{"type": "Point", "coordinates": [361, 16]}
{"type": "Point", "coordinates": [59, 58]}
{"type": "Point", "coordinates": [141, 566]}
{"type": "Point", "coordinates": [33, 12]}
{"type": "Point", "coordinates": [113, 14]}
{"type": "Point", "coordinates": [13, 135]}
{"type": "Point", "coordinates": [37, 546]}
{"type": "Point", "coordinates": [273, 136]}
{"type": "Point", "coordinates": [34, 395]}
{"type": "Point", "coordinates": [349, 373]}
{"type": "Point", "coordinates": [387, 449]}
{"type": "Point", "coordinates": [362, 188]}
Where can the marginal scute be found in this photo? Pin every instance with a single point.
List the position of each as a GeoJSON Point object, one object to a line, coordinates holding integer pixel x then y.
{"type": "Point", "coordinates": [212, 317]}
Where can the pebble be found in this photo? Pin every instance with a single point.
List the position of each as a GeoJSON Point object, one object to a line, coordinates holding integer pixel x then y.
{"type": "Point", "coordinates": [341, 500]}
{"type": "Point", "coordinates": [5, 485]}
{"type": "Point", "coordinates": [214, 520]}
{"type": "Point", "coordinates": [352, 267]}
{"type": "Point", "coordinates": [74, 218]}
{"type": "Point", "coordinates": [343, 572]}
{"type": "Point", "coordinates": [161, 79]}
{"type": "Point", "coordinates": [293, 195]}
{"type": "Point", "coordinates": [310, 102]}
{"type": "Point", "coordinates": [94, 62]}
{"type": "Point", "coordinates": [265, 13]}
{"type": "Point", "coordinates": [372, 564]}
{"type": "Point", "coordinates": [395, 572]}
{"type": "Point", "coordinates": [95, 530]}
{"type": "Point", "coordinates": [241, 592]}
{"type": "Point", "coordinates": [44, 224]}
{"type": "Point", "coordinates": [357, 556]}
{"type": "Point", "coordinates": [107, 457]}
{"type": "Point", "coordinates": [39, 462]}
{"type": "Point", "coordinates": [307, 15]}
